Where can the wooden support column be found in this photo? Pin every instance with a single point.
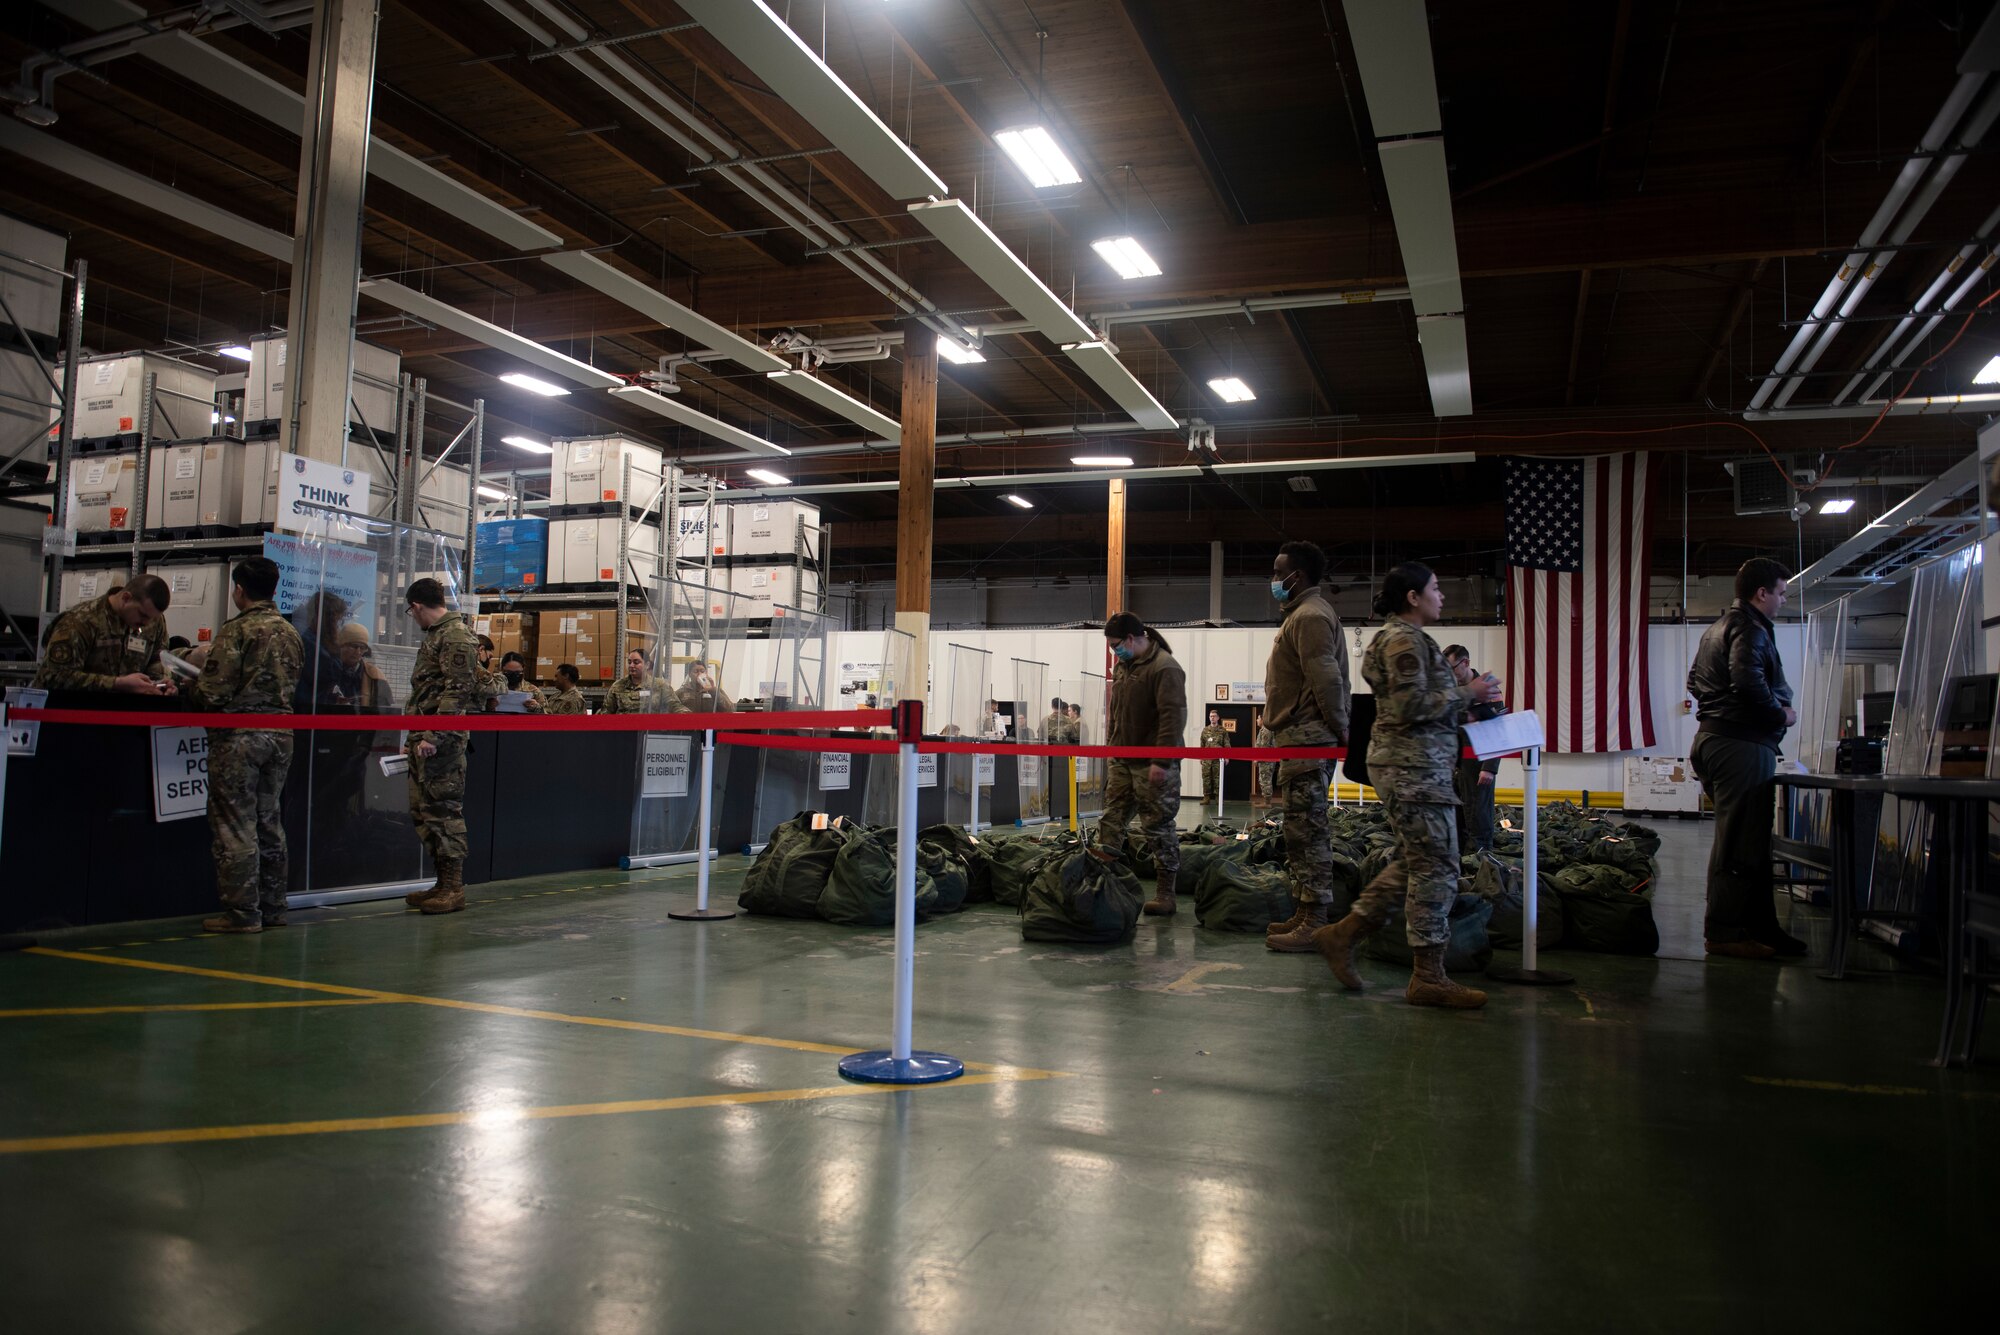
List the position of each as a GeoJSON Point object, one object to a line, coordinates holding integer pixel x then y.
{"type": "Point", "coordinates": [1114, 543]}
{"type": "Point", "coordinates": [326, 246]}
{"type": "Point", "coordinates": [916, 500]}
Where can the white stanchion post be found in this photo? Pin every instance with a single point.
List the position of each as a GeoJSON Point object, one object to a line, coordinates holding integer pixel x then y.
{"type": "Point", "coordinates": [900, 1064]}
{"type": "Point", "coordinates": [974, 827]}
{"type": "Point", "coordinates": [1531, 854]}
{"type": "Point", "coordinates": [702, 912]}
{"type": "Point", "coordinates": [1221, 780]}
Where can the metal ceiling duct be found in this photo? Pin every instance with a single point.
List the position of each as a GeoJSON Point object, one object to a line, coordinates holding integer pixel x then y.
{"type": "Point", "coordinates": [433, 311]}
{"type": "Point", "coordinates": [809, 386]}
{"type": "Point", "coordinates": [676, 411]}
{"type": "Point", "coordinates": [39, 146]}
{"type": "Point", "coordinates": [1961, 478]}
{"type": "Point", "coordinates": [761, 40]}
{"type": "Point", "coordinates": [1392, 47]}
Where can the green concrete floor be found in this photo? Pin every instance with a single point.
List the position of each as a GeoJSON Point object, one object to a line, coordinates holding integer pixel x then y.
{"type": "Point", "coordinates": [547, 1114]}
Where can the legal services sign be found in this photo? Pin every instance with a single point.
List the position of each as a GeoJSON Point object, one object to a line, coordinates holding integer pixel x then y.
{"type": "Point", "coordinates": [311, 492]}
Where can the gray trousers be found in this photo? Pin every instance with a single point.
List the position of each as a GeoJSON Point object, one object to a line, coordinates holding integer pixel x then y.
{"type": "Point", "coordinates": [1737, 776]}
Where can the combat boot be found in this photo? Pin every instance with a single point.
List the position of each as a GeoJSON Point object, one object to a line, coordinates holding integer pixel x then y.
{"type": "Point", "coordinates": [1300, 939]}
{"type": "Point", "coordinates": [1430, 987]}
{"type": "Point", "coordinates": [1290, 924]}
{"type": "Point", "coordinates": [1336, 945]}
{"type": "Point", "coordinates": [449, 897]}
{"type": "Point", "coordinates": [416, 897]}
{"type": "Point", "coordinates": [1161, 905]}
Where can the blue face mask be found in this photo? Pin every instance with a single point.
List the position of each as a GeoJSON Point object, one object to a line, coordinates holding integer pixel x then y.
{"type": "Point", "coordinates": [1121, 653]}
{"type": "Point", "coordinates": [1279, 591]}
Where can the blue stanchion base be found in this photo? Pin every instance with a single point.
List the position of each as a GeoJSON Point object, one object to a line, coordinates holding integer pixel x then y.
{"type": "Point", "coordinates": [880, 1068]}
{"type": "Point", "coordinates": [702, 915]}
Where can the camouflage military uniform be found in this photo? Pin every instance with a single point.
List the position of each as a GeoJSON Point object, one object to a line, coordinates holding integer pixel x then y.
{"type": "Point", "coordinates": [489, 688]}
{"type": "Point", "coordinates": [445, 680]}
{"type": "Point", "coordinates": [651, 696]}
{"type": "Point", "coordinates": [1305, 704]}
{"type": "Point", "coordinates": [1054, 727]}
{"type": "Point", "coordinates": [1148, 708]}
{"type": "Point", "coordinates": [1412, 753]}
{"type": "Point", "coordinates": [1211, 770]}
{"type": "Point", "coordinates": [252, 668]}
{"type": "Point", "coordinates": [1267, 772]}
{"type": "Point", "coordinates": [569, 700]}
{"type": "Point", "coordinates": [90, 647]}
{"type": "Point", "coordinates": [694, 699]}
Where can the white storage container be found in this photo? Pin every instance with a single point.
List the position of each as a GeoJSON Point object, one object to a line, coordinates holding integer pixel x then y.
{"type": "Point", "coordinates": [203, 485]}
{"type": "Point", "coordinates": [696, 535]}
{"type": "Point", "coordinates": [372, 396]}
{"type": "Point", "coordinates": [258, 500]}
{"type": "Point", "coordinates": [769, 528]}
{"type": "Point", "coordinates": [592, 471]}
{"type": "Point", "coordinates": [33, 293]}
{"type": "Point", "coordinates": [585, 551]}
{"type": "Point", "coordinates": [102, 491]}
{"type": "Point", "coordinates": [109, 390]}
{"type": "Point", "coordinates": [197, 598]}
{"type": "Point", "coordinates": [767, 591]}
{"type": "Point", "coordinates": [82, 586]}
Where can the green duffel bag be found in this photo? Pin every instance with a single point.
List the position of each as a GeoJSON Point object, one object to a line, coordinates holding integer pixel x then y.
{"type": "Point", "coordinates": [1075, 898]}
{"type": "Point", "coordinates": [949, 878]}
{"type": "Point", "coordinates": [1234, 898]}
{"type": "Point", "coordinates": [969, 849]}
{"type": "Point", "coordinates": [1196, 860]}
{"type": "Point", "coordinates": [862, 890]}
{"type": "Point", "coordinates": [1209, 832]}
{"type": "Point", "coordinates": [1467, 950]}
{"type": "Point", "coordinates": [1625, 854]}
{"type": "Point", "coordinates": [1607, 909]}
{"type": "Point", "coordinates": [789, 876]}
{"type": "Point", "coordinates": [1009, 864]}
{"type": "Point", "coordinates": [1498, 881]}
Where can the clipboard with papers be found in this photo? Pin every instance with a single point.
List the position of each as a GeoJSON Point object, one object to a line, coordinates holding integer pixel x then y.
{"type": "Point", "coordinates": [1506, 735]}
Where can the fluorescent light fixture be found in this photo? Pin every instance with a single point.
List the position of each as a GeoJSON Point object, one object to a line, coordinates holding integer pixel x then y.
{"type": "Point", "coordinates": [1127, 256]}
{"type": "Point", "coordinates": [1419, 189]}
{"type": "Point", "coordinates": [522, 348]}
{"type": "Point", "coordinates": [1838, 506]}
{"type": "Point", "coordinates": [1231, 389]}
{"type": "Point", "coordinates": [1989, 374]}
{"type": "Point", "coordinates": [534, 384]}
{"type": "Point", "coordinates": [236, 350]}
{"type": "Point", "coordinates": [957, 353]}
{"type": "Point", "coordinates": [1446, 368]}
{"type": "Point", "coordinates": [528, 443]}
{"type": "Point", "coordinates": [649, 301]}
{"type": "Point", "coordinates": [217, 418]}
{"type": "Point", "coordinates": [1012, 499]}
{"type": "Point", "coordinates": [967, 236]}
{"type": "Point", "coordinates": [1101, 460]}
{"type": "Point", "coordinates": [831, 396]}
{"type": "Point", "coordinates": [493, 493]}
{"type": "Point", "coordinates": [1036, 153]}
{"type": "Point", "coordinates": [769, 478]}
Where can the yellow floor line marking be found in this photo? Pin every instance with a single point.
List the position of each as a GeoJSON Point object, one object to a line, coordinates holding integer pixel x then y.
{"type": "Point", "coordinates": [1191, 980]}
{"type": "Point", "coordinates": [489, 1008]}
{"type": "Point", "coordinates": [188, 1006]}
{"type": "Point", "coordinates": [478, 1117]}
{"type": "Point", "coordinates": [1900, 1091]}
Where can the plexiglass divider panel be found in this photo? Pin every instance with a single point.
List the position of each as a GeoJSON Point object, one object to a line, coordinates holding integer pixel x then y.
{"type": "Point", "coordinates": [902, 679]}
{"type": "Point", "coordinates": [1092, 700]}
{"type": "Point", "coordinates": [966, 688]}
{"type": "Point", "coordinates": [1031, 693]}
{"type": "Point", "coordinates": [343, 585]}
{"type": "Point", "coordinates": [788, 782]}
{"type": "Point", "coordinates": [691, 641]}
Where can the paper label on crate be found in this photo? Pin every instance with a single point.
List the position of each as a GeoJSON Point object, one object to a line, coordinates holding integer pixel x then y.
{"type": "Point", "coordinates": [98, 405]}
{"type": "Point", "coordinates": [93, 474]}
{"type": "Point", "coordinates": [584, 534]}
{"type": "Point", "coordinates": [186, 466]}
{"type": "Point", "coordinates": [760, 579]}
{"type": "Point", "coordinates": [583, 452]}
{"type": "Point", "coordinates": [119, 514]}
{"type": "Point", "coordinates": [182, 583]}
{"type": "Point", "coordinates": [760, 514]}
{"type": "Point", "coordinates": [316, 499]}
{"type": "Point", "coordinates": [101, 374]}
{"type": "Point", "coordinates": [124, 424]}
{"type": "Point", "coordinates": [281, 350]}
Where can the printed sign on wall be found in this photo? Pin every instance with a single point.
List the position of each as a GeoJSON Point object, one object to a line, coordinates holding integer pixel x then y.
{"type": "Point", "coordinates": [836, 771]}
{"type": "Point", "coordinates": [180, 773]}
{"type": "Point", "coordinates": [669, 765]}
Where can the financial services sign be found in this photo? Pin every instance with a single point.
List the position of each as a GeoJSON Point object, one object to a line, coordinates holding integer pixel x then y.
{"type": "Point", "coordinates": [314, 497]}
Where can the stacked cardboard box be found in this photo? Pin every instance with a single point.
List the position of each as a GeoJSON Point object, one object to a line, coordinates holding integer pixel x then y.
{"type": "Point", "coordinates": [511, 633]}
{"type": "Point", "coordinates": [587, 639]}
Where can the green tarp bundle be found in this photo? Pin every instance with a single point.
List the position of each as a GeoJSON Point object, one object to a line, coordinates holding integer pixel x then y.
{"type": "Point", "coordinates": [1010, 862]}
{"type": "Point", "coordinates": [862, 890]}
{"type": "Point", "coordinates": [1607, 909]}
{"type": "Point", "coordinates": [1077, 899]}
{"type": "Point", "coordinates": [789, 876]}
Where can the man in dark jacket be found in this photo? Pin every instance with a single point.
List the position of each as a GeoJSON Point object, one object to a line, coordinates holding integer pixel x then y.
{"type": "Point", "coordinates": [1475, 777]}
{"type": "Point", "coordinates": [1744, 706]}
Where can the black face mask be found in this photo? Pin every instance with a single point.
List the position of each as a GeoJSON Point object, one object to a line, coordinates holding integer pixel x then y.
{"type": "Point", "coordinates": [513, 679]}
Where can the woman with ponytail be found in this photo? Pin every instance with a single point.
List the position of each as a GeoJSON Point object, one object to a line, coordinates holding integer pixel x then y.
{"type": "Point", "coordinates": [1412, 753]}
{"type": "Point", "coordinates": [1148, 708]}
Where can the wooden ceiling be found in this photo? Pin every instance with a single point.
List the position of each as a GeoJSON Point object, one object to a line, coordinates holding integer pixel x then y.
{"type": "Point", "coordinates": [1646, 197]}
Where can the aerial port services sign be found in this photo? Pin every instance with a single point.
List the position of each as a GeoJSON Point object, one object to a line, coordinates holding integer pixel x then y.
{"type": "Point", "coordinates": [314, 497]}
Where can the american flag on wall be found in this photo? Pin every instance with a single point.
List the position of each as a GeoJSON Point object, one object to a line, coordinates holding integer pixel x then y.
{"type": "Point", "coordinates": [1578, 543]}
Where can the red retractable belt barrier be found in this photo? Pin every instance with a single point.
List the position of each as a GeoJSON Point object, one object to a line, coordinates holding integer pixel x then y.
{"type": "Point", "coordinates": [137, 718]}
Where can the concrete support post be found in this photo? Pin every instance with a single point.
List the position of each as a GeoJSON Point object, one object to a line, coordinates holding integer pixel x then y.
{"type": "Point", "coordinates": [326, 250]}
{"type": "Point", "coordinates": [1215, 581]}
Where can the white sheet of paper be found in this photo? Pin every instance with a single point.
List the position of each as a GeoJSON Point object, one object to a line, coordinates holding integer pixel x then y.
{"type": "Point", "coordinates": [1506, 734]}
{"type": "Point", "coordinates": [394, 765]}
